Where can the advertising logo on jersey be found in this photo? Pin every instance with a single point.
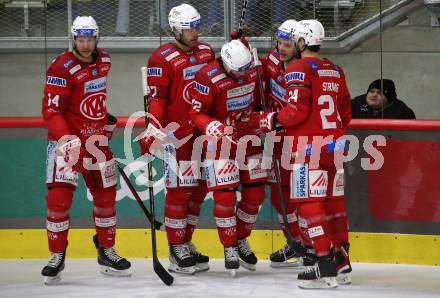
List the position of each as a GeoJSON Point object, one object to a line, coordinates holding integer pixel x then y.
{"type": "Point", "coordinates": [278, 91]}
{"type": "Point", "coordinates": [189, 73]}
{"type": "Point", "coordinates": [56, 81]}
{"type": "Point", "coordinates": [274, 59]}
{"type": "Point", "coordinates": [93, 106]}
{"type": "Point", "coordinates": [81, 75]}
{"type": "Point", "coordinates": [154, 71]}
{"type": "Point", "coordinates": [294, 76]}
{"type": "Point", "coordinates": [104, 68]}
{"type": "Point", "coordinates": [192, 59]}
{"type": "Point", "coordinates": [329, 73]}
{"type": "Point", "coordinates": [314, 65]}
{"type": "Point", "coordinates": [68, 63]}
{"type": "Point", "coordinates": [185, 92]}
{"type": "Point", "coordinates": [201, 88]}
{"type": "Point", "coordinates": [164, 52]}
{"type": "Point", "coordinates": [318, 180]}
{"type": "Point", "coordinates": [170, 166]}
{"type": "Point", "coordinates": [172, 56]}
{"type": "Point", "coordinates": [212, 71]}
{"type": "Point", "coordinates": [279, 78]}
{"type": "Point", "coordinates": [300, 180]}
{"type": "Point", "coordinates": [242, 90]}
{"type": "Point", "coordinates": [94, 72]}
{"type": "Point", "coordinates": [204, 55]}
{"type": "Point", "coordinates": [238, 103]}
{"type": "Point", "coordinates": [95, 85]}
{"type": "Point", "coordinates": [226, 172]}
{"type": "Point", "coordinates": [186, 174]}
{"type": "Point", "coordinates": [338, 183]}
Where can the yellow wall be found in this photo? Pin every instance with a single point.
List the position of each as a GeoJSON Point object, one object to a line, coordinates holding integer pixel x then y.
{"type": "Point", "coordinates": [136, 243]}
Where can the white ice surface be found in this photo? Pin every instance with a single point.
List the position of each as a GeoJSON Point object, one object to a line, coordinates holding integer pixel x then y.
{"type": "Point", "coordinates": [81, 278]}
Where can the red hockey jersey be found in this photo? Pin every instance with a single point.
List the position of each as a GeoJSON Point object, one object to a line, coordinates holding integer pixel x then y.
{"type": "Point", "coordinates": [274, 81]}
{"type": "Point", "coordinates": [217, 96]}
{"type": "Point", "coordinates": [318, 99]}
{"type": "Point", "coordinates": [170, 75]}
{"type": "Point", "coordinates": [75, 94]}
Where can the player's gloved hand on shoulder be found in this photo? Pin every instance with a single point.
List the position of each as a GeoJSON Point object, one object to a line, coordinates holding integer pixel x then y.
{"type": "Point", "coordinates": [218, 130]}
{"type": "Point", "coordinates": [110, 126]}
{"type": "Point", "coordinates": [234, 35]}
{"type": "Point", "coordinates": [71, 153]}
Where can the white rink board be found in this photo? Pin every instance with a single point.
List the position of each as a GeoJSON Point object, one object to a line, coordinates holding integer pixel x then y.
{"type": "Point", "coordinates": [21, 278]}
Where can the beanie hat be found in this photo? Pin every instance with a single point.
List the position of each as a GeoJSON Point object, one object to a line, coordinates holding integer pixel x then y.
{"type": "Point", "coordinates": [389, 89]}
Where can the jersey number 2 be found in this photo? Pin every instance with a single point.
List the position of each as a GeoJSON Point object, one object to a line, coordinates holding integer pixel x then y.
{"type": "Point", "coordinates": [327, 112]}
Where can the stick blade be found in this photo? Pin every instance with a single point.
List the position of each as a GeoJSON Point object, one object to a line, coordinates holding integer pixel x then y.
{"type": "Point", "coordinates": [162, 273]}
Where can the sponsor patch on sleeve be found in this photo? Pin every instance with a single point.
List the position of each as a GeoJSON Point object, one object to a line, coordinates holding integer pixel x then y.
{"type": "Point", "coordinates": [154, 71]}
{"type": "Point", "coordinates": [56, 81]}
{"type": "Point", "coordinates": [106, 59]}
{"type": "Point", "coordinates": [294, 76]}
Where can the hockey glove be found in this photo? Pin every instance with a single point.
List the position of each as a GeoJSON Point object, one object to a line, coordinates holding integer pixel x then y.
{"type": "Point", "coordinates": [264, 122]}
{"type": "Point", "coordinates": [218, 130]}
{"type": "Point", "coordinates": [234, 35]}
{"type": "Point", "coordinates": [151, 139]}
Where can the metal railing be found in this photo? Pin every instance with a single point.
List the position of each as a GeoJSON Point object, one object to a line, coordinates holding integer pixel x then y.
{"type": "Point", "coordinates": [142, 24]}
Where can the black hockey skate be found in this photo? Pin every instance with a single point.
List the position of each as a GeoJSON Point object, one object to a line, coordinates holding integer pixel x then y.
{"type": "Point", "coordinates": [321, 276]}
{"type": "Point", "coordinates": [280, 258]}
{"type": "Point", "coordinates": [111, 263]}
{"type": "Point", "coordinates": [247, 257]}
{"type": "Point", "coordinates": [181, 259]}
{"type": "Point", "coordinates": [202, 261]}
{"type": "Point", "coordinates": [52, 271]}
{"type": "Point", "coordinates": [343, 265]}
{"type": "Point", "coordinates": [231, 260]}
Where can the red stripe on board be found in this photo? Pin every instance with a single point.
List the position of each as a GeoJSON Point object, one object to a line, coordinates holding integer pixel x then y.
{"type": "Point", "coordinates": [355, 124]}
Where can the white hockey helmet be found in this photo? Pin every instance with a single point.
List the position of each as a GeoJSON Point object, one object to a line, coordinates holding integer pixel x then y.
{"type": "Point", "coordinates": [311, 30]}
{"type": "Point", "coordinates": [183, 16]}
{"type": "Point", "coordinates": [236, 56]}
{"type": "Point", "coordinates": [286, 30]}
{"type": "Point", "coordinates": [85, 26]}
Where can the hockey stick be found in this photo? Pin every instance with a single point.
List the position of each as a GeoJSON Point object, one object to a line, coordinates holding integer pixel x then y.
{"type": "Point", "coordinates": [158, 268]}
{"type": "Point", "coordinates": [242, 17]}
{"type": "Point", "coordinates": [297, 247]}
{"type": "Point", "coordinates": [157, 224]}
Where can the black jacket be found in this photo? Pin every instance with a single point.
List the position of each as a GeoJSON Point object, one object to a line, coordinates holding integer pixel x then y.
{"type": "Point", "coordinates": [396, 109]}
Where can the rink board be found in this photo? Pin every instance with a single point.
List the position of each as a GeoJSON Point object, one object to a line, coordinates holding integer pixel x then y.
{"type": "Point", "coordinates": [136, 243]}
{"type": "Point", "coordinates": [398, 229]}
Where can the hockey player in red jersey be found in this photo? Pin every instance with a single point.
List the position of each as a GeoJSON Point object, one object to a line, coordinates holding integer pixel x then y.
{"type": "Point", "coordinates": [317, 111]}
{"type": "Point", "coordinates": [226, 92]}
{"type": "Point", "coordinates": [74, 110]}
{"type": "Point", "coordinates": [277, 60]}
{"type": "Point", "coordinates": [170, 75]}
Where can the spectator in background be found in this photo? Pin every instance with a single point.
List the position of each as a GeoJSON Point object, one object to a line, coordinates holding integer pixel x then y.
{"type": "Point", "coordinates": [377, 104]}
